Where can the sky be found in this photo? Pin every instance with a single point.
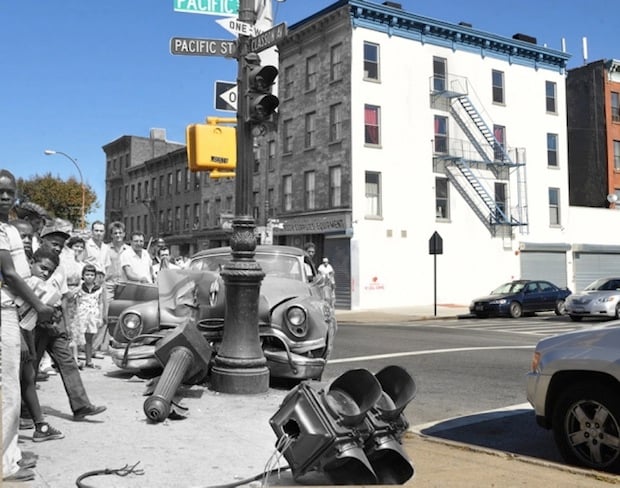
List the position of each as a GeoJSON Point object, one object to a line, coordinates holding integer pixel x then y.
{"type": "Point", "coordinates": [76, 75]}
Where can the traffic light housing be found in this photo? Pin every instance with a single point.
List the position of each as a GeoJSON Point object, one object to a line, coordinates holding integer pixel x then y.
{"type": "Point", "coordinates": [261, 102]}
{"type": "Point", "coordinates": [350, 430]}
{"type": "Point", "coordinates": [211, 147]}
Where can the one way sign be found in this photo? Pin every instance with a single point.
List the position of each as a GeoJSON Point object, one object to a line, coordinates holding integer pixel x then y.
{"type": "Point", "coordinates": [226, 96]}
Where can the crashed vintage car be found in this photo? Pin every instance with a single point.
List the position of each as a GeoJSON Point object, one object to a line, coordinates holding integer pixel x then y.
{"type": "Point", "coordinates": [297, 325]}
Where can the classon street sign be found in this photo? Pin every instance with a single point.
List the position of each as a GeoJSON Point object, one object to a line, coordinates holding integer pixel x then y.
{"type": "Point", "coordinates": [203, 47]}
{"type": "Point", "coordinates": [268, 38]}
{"type": "Point", "coordinates": [207, 7]}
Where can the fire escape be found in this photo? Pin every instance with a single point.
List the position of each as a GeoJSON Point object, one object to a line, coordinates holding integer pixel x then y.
{"type": "Point", "coordinates": [476, 161]}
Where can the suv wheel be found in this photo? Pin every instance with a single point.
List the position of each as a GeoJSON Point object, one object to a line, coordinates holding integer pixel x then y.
{"type": "Point", "coordinates": [560, 309]}
{"type": "Point", "coordinates": [586, 427]}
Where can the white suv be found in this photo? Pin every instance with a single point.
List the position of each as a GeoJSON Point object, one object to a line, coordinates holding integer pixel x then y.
{"type": "Point", "coordinates": [574, 387]}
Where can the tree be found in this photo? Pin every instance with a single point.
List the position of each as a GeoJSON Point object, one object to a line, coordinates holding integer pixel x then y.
{"type": "Point", "coordinates": [60, 198]}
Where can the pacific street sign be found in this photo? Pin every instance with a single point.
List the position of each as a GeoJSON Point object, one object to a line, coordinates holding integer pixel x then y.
{"type": "Point", "coordinates": [203, 47]}
{"type": "Point", "coordinates": [208, 7]}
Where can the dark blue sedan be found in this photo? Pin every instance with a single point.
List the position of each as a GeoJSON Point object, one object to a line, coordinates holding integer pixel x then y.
{"type": "Point", "coordinates": [519, 297]}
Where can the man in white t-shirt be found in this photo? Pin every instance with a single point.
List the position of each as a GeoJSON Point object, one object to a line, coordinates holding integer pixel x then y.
{"type": "Point", "coordinates": [136, 263]}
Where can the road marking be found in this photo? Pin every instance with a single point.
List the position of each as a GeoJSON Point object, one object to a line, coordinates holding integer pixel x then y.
{"type": "Point", "coordinates": [469, 419]}
{"type": "Point", "coordinates": [422, 353]}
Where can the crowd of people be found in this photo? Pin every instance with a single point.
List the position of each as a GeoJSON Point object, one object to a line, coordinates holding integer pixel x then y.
{"type": "Point", "coordinates": [56, 284]}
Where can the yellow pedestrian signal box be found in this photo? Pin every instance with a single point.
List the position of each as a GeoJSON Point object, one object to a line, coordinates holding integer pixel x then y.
{"type": "Point", "coordinates": [211, 147]}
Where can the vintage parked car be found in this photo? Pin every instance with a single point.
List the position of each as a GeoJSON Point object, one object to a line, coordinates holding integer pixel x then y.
{"type": "Point", "coordinates": [574, 387]}
{"type": "Point", "coordinates": [521, 296]}
{"type": "Point", "coordinates": [297, 325]}
{"type": "Point", "coordinates": [600, 298]}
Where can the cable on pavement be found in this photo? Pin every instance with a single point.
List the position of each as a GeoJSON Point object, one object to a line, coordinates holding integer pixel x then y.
{"type": "Point", "coordinates": [124, 471]}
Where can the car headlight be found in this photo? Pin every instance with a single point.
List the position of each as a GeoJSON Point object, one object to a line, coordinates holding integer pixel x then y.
{"type": "Point", "coordinates": [296, 321]}
{"type": "Point", "coordinates": [607, 299]}
{"type": "Point", "coordinates": [131, 325]}
{"type": "Point", "coordinates": [499, 301]}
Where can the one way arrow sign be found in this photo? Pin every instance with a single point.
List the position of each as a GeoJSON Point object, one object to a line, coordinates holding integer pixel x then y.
{"type": "Point", "coordinates": [236, 27]}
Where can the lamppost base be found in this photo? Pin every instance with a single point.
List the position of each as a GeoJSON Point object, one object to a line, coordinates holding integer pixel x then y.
{"type": "Point", "coordinates": [239, 381]}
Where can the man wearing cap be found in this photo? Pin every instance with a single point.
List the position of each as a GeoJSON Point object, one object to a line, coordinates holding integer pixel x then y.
{"type": "Point", "coordinates": [53, 337]}
{"type": "Point", "coordinates": [13, 268]}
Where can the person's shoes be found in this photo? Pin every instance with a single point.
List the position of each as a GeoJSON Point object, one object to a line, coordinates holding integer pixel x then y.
{"type": "Point", "coordinates": [26, 424]}
{"type": "Point", "coordinates": [88, 411]}
{"type": "Point", "coordinates": [22, 474]}
{"type": "Point", "coordinates": [27, 462]}
{"type": "Point", "coordinates": [45, 432]}
{"type": "Point", "coordinates": [92, 366]}
{"type": "Point", "coordinates": [80, 365]}
{"type": "Point", "coordinates": [96, 355]}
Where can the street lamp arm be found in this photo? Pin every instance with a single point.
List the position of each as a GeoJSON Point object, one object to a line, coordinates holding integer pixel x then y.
{"type": "Point", "coordinates": [49, 152]}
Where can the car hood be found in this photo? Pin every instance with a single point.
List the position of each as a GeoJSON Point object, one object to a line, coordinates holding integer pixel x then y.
{"type": "Point", "coordinates": [594, 293]}
{"type": "Point", "coordinates": [596, 348]}
{"type": "Point", "coordinates": [498, 296]}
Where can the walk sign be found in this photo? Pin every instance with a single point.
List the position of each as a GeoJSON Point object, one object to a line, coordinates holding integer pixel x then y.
{"type": "Point", "coordinates": [226, 8]}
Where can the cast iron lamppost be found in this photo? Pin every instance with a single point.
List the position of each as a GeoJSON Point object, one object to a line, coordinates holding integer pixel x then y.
{"type": "Point", "coordinates": [49, 152]}
{"type": "Point", "coordinates": [240, 366]}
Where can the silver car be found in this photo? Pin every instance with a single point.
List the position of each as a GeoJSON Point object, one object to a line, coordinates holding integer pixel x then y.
{"type": "Point", "coordinates": [574, 387]}
{"type": "Point", "coordinates": [600, 298]}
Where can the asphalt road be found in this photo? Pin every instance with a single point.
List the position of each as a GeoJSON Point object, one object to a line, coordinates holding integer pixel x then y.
{"type": "Point", "coordinates": [470, 376]}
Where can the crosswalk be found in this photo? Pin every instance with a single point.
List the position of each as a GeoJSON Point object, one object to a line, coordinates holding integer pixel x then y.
{"type": "Point", "coordinates": [539, 326]}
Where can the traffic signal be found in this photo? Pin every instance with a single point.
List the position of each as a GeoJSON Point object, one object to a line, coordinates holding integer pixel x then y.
{"type": "Point", "coordinates": [211, 147]}
{"type": "Point", "coordinates": [261, 103]}
{"type": "Point", "coordinates": [350, 430]}
{"type": "Point", "coordinates": [215, 174]}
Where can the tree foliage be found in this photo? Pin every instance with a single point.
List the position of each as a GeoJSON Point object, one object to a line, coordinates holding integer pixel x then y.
{"type": "Point", "coordinates": [59, 197]}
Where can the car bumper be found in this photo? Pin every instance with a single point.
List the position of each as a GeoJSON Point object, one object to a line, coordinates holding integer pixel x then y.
{"type": "Point", "coordinates": [139, 358]}
{"type": "Point", "coordinates": [537, 386]}
{"type": "Point", "coordinates": [489, 309]}
{"type": "Point", "coordinates": [592, 310]}
{"type": "Point", "coordinates": [281, 365]}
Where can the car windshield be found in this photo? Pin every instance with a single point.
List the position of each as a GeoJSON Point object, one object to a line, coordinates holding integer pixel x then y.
{"type": "Point", "coordinates": [604, 284]}
{"type": "Point", "coordinates": [272, 264]}
{"type": "Point", "coordinates": [511, 287]}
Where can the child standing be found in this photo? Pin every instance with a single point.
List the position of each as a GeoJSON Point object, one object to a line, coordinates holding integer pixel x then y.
{"type": "Point", "coordinates": [90, 308]}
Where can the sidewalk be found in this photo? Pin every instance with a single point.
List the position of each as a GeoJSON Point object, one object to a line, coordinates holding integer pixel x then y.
{"type": "Point", "coordinates": [403, 314]}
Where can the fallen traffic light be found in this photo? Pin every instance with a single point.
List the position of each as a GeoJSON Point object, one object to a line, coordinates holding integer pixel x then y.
{"type": "Point", "coordinates": [349, 430]}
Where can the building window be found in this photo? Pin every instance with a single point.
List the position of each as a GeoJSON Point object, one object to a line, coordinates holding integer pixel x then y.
{"type": "Point", "coordinates": [335, 122]}
{"type": "Point", "coordinates": [153, 187]}
{"type": "Point", "coordinates": [440, 72]}
{"type": "Point", "coordinates": [177, 218]}
{"type": "Point", "coordinates": [133, 193]}
{"type": "Point", "coordinates": [271, 155]}
{"type": "Point", "coordinates": [126, 195]}
{"type": "Point", "coordinates": [146, 190]}
{"type": "Point", "coordinates": [206, 211]}
{"type": "Point", "coordinates": [196, 181]}
{"type": "Point", "coordinates": [617, 156]}
{"type": "Point", "coordinates": [196, 224]}
{"type": "Point", "coordinates": [188, 179]}
{"type": "Point", "coordinates": [179, 181]}
{"type": "Point", "coordinates": [186, 217]}
{"type": "Point", "coordinates": [441, 134]}
{"type": "Point", "coordinates": [287, 193]}
{"type": "Point", "coordinates": [255, 205]}
{"type": "Point", "coordinates": [288, 83]}
{"type": "Point", "coordinates": [309, 194]}
{"type": "Point", "coordinates": [335, 182]}
{"type": "Point", "coordinates": [442, 204]}
{"type": "Point", "coordinates": [169, 220]}
{"type": "Point", "coordinates": [615, 107]}
{"type": "Point", "coordinates": [550, 96]}
{"type": "Point", "coordinates": [373, 194]}
{"type": "Point", "coordinates": [162, 221]}
{"type": "Point", "coordinates": [310, 130]}
{"type": "Point", "coordinates": [312, 64]}
{"type": "Point", "coordinates": [554, 206]}
{"type": "Point", "coordinates": [161, 185]}
{"type": "Point", "coordinates": [500, 201]}
{"type": "Point", "coordinates": [335, 63]}
{"type": "Point", "coordinates": [498, 86]}
{"type": "Point", "coordinates": [287, 136]}
{"type": "Point", "coordinates": [371, 61]}
{"type": "Point", "coordinates": [371, 124]}
{"type": "Point", "coordinates": [499, 147]}
{"type": "Point", "coordinates": [169, 192]}
{"type": "Point", "coordinates": [552, 149]}
{"type": "Point", "coordinates": [271, 211]}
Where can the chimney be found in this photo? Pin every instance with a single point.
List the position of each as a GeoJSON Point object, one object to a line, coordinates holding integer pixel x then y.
{"type": "Point", "coordinates": [159, 134]}
{"type": "Point", "coordinates": [393, 5]}
{"type": "Point", "coordinates": [524, 38]}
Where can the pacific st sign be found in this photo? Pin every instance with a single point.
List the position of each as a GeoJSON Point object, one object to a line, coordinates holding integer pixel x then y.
{"type": "Point", "coordinates": [203, 47]}
{"type": "Point", "coordinates": [227, 8]}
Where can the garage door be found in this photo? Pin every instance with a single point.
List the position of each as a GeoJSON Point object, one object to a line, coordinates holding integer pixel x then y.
{"type": "Point", "coordinates": [549, 266]}
{"type": "Point", "coordinates": [591, 266]}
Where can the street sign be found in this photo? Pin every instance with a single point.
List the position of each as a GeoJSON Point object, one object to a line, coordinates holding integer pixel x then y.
{"type": "Point", "coordinates": [236, 27]}
{"type": "Point", "coordinates": [435, 244]}
{"type": "Point", "coordinates": [203, 47]}
{"type": "Point", "coordinates": [268, 38]}
{"type": "Point", "coordinates": [208, 7]}
{"type": "Point", "coordinates": [226, 96]}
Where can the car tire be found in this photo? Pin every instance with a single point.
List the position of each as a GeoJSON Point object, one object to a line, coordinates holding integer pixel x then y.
{"type": "Point", "coordinates": [617, 314]}
{"type": "Point", "coordinates": [579, 435]}
{"type": "Point", "coordinates": [576, 318]}
{"type": "Point", "coordinates": [516, 310]}
{"type": "Point", "coordinates": [560, 309]}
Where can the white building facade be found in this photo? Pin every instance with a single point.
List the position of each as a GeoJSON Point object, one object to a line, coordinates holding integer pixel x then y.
{"type": "Point", "coordinates": [463, 133]}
